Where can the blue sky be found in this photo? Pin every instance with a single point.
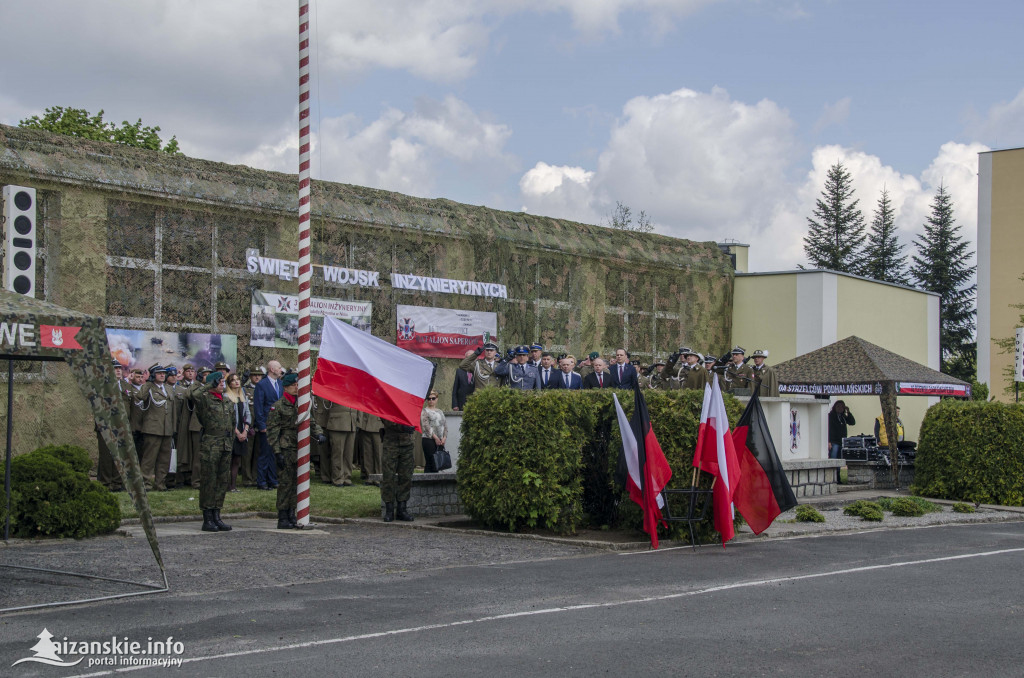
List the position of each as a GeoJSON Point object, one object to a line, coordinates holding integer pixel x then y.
{"type": "Point", "coordinates": [718, 118]}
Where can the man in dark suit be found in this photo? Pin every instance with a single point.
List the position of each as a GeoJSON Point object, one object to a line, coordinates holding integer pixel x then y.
{"type": "Point", "coordinates": [549, 374]}
{"type": "Point", "coordinates": [568, 379]}
{"type": "Point", "coordinates": [268, 392]}
{"type": "Point", "coordinates": [463, 386]}
{"type": "Point", "coordinates": [599, 378]}
{"type": "Point", "coordinates": [623, 374]}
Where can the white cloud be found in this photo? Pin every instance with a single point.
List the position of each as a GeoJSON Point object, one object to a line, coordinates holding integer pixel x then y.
{"type": "Point", "coordinates": [556, 189]}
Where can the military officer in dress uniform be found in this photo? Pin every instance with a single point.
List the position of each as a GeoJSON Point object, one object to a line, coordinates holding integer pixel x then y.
{"type": "Point", "coordinates": [190, 428]}
{"type": "Point", "coordinates": [134, 412]}
{"type": "Point", "coordinates": [739, 377]}
{"type": "Point", "coordinates": [672, 375]}
{"type": "Point", "coordinates": [482, 370]}
{"type": "Point", "coordinates": [156, 400]}
{"type": "Point", "coordinates": [692, 374]}
{"type": "Point", "coordinates": [520, 374]}
{"type": "Point", "coordinates": [339, 425]}
{"type": "Point", "coordinates": [764, 376]}
{"type": "Point", "coordinates": [536, 355]}
{"type": "Point", "coordinates": [709, 368]}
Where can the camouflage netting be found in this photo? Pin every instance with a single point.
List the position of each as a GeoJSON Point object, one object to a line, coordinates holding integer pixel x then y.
{"type": "Point", "coordinates": [151, 241]}
{"type": "Point", "coordinates": [90, 367]}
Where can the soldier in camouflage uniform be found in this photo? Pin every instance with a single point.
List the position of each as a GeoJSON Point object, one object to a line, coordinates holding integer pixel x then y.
{"type": "Point", "coordinates": [368, 444]}
{"type": "Point", "coordinates": [396, 483]}
{"type": "Point", "coordinates": [282, 436]}
{"type": "Point", "coordinates": [217, 415]}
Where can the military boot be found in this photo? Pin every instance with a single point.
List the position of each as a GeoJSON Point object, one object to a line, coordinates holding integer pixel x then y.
{"type": "Point", "coordinates": [293, 519]}
{"type": "Point", "coordinates": [221, 525]}
{"type": "Point", "coordinates": [284, 521]}
{"type": "Point", "coordinates": [402, 514]}
{"type": "Point", "coordinates": [389, 511]}
{"type": "Point", "coordinates": [208, 524]}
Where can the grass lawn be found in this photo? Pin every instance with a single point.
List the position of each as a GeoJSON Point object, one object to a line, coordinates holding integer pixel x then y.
{"type": "Point", "coordinates": [357, 501]}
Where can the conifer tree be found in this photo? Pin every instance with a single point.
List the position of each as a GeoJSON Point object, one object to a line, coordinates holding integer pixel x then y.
{"type": "Point", "coordinates": [941, 265]}
{"type": "Point", "coordinates": [883, 257]}
{"type": "Point", "coordinates": [836, 233]}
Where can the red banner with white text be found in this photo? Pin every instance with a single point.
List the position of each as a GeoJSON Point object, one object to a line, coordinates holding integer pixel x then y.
{"type": "Point", "coordinates": [443, 332]}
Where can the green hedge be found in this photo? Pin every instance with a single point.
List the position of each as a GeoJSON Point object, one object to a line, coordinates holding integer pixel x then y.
{"type": "Point", "coordinates": [548, 459]}
{"type": "Point", "coordinates": [52, 496]}
{"type": "Point", "coordinates": [972, 451]}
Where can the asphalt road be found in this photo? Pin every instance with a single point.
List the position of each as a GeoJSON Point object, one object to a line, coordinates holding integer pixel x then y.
{"type": "Point", "coordinates": [941, 601]}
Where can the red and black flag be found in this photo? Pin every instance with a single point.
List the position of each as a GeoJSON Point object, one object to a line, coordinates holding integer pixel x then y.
{"type": "Point", "coordinates": [764, 490]}
{"type": "Point", "coordinates": [642, 469]}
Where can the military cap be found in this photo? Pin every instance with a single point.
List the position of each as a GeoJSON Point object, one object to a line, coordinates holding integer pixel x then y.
{"type": "Point", "coordinates": [213, 378]}
{"type": "Point", "coordinates": [117, 363]}
{"type": "Point", "coordinates": [187, 366]}
{"type": "Point", "coordinates": [710, 358]}
{"type": "Point", "coordinates": [261, 369]}
{"type": "Point", "coordinates": [204, 370]}
{"type": "Point", "coordinates": [156, 369]}
{"type": "Point", "coordinates": [137, 370]}
{"type": "Point", "coordinates": [536, 347]}
{"type": "Point", "coordinates": [683, 350]}
{"type": "Point", "coordinates": [634, 363]}
{"type": "Point", "coordinates": [171, 370]}
{"type": "Point", "coordinates": [738, 350]}
{"type": "Point", "coordinates": [759, 353]}
{"type": "Point", "coordinates": [289, 379]}
{"type": "Point", "coordinates": [222, 366]}
{"type": "Point", "coordinates": [691, 352]}
{"type": "Point", "coordinates": [594, 355]}
{"type": "Point", "coordinates": [490, 346]}
{"type": "Point", "coordinates": [660, 362]}
{"type": "Point", "coordinates": [522, 350]}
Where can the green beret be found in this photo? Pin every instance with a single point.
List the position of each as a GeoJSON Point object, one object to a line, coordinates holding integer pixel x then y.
{"type": "Point", "coordinates": [289, 379]}
{"type": "Point", "coordinates": [213, 378]}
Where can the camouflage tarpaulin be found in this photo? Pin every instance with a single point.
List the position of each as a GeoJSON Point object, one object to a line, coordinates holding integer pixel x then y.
{"type": "Point", "coordinates": [37, 330]}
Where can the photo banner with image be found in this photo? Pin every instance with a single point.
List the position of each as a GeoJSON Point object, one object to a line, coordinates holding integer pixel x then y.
{"type": "Point", "coordinates": [275, 318]}
{"type": "Point", "coordinates": [142, 348]}
{"type": "Point", "coordinates": [443, 332]}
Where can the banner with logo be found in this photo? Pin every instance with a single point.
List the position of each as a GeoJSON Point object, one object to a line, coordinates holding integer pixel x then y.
{"type": "Point", "coordinates": [142, 348]}
{"type": "Point", "coordinates": [444, 332]}
{"type": "Point", "coordinates": [275, 318]}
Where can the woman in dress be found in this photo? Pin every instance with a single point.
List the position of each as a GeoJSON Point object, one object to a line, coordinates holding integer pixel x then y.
{"type": "Point", "coordinates": [435, 431]}
{"type": "Point", "coordinates": [243, 421]}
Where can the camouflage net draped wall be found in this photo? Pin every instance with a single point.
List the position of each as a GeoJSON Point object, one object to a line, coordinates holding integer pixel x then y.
{"type": "Point", "coordinates": [151, 241]}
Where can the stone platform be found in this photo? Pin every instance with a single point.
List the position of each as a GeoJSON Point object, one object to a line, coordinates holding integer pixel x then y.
{"type": "Point", "coordinates": [433, 494]}
{"type": "Point", "coordinates": [813, 477]}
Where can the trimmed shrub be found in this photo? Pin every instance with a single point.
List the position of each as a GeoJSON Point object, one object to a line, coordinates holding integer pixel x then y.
{"type": "Point", "coordinates": [808, 514]}
{"type": "Point", "coordinates": [963, 507]}
{"type": "Point", "coordinates": [548, 459]}
{"type": "Point", "coordinates": [868, 510]}
{"type": "Point", "coordinates": [908, 506]}
{"type": "Point", "coordinates": [52, 497]}
{"type": "Point", "coordinates": [972, 451]}
{"type": "Point", "coordinates": [74, 456]}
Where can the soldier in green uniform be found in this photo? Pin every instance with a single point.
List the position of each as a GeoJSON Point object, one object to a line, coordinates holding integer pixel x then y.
{"type": "Point", "coordinates": [692, 375]}
{"type": "Point", "coordinates": [106, 471]}
{"type": "Point", "coordinates": [216, 414]}
{"type": "Point", "coordinates": [156, 400]}
{"type": "Point", "coordinates": [339, 424]}
{"type": "Point", "coordinates": [397, 462]}
{"type": "Point", "coordinates": [709, 368]}
{"type": "Point", "coordinates": [483, 370]}
{"type": "Point", "coordinates": [369, 444]}
{"type": "Point", "coordinates": [134, 411]}
{"type": "Point", "coordinates": [190, 430]}
{"type": "Point", "coordinates": [739, 377]}
{"type": "Point", "coordinates": [282, 436]}
{"type": "Point", "coordinates": [673, 374]}
{"type": "Point", "coordinates": [766, 382]}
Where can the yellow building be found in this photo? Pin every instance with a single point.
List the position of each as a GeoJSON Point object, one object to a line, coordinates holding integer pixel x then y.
{"type": "Point", "coordinates": [790, 313]}
{"type": "Point", "coordinates": [1000, 262]}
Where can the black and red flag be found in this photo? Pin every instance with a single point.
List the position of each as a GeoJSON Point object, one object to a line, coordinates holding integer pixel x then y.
{"type": "Point", "coordinates": [764, 490]}
{"type": "Point", "coordinates": [642, 469]}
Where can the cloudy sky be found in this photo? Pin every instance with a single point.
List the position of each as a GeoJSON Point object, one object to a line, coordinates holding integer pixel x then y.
{"type": "Point", "coordinates": [718, 118]}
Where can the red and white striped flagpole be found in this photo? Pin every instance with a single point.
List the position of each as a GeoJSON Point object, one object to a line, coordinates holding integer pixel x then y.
{"type": "Point", "coordinates": [302, 472]}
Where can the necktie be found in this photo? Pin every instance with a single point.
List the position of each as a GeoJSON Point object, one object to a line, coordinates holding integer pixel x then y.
{"type": "Point", "coordinates": [621, 369]}
{"type": "Point", "coordinates": [600, 381]}
{"type": "Point", "coordinates": [546, 376]}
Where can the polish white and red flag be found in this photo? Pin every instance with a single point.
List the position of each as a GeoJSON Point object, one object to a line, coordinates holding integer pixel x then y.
{"type": "Point", "coordinates": [716, 454]}
{"type": "Point", "coordinates": [358, 370]}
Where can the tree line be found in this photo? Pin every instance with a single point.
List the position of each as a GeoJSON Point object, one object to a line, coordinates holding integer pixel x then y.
{"type": "Point", "coordinates": [838, 239]}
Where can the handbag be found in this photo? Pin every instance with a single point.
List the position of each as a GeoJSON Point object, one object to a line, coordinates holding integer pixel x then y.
{"type": "Point", "coordinates": [442, 459]}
